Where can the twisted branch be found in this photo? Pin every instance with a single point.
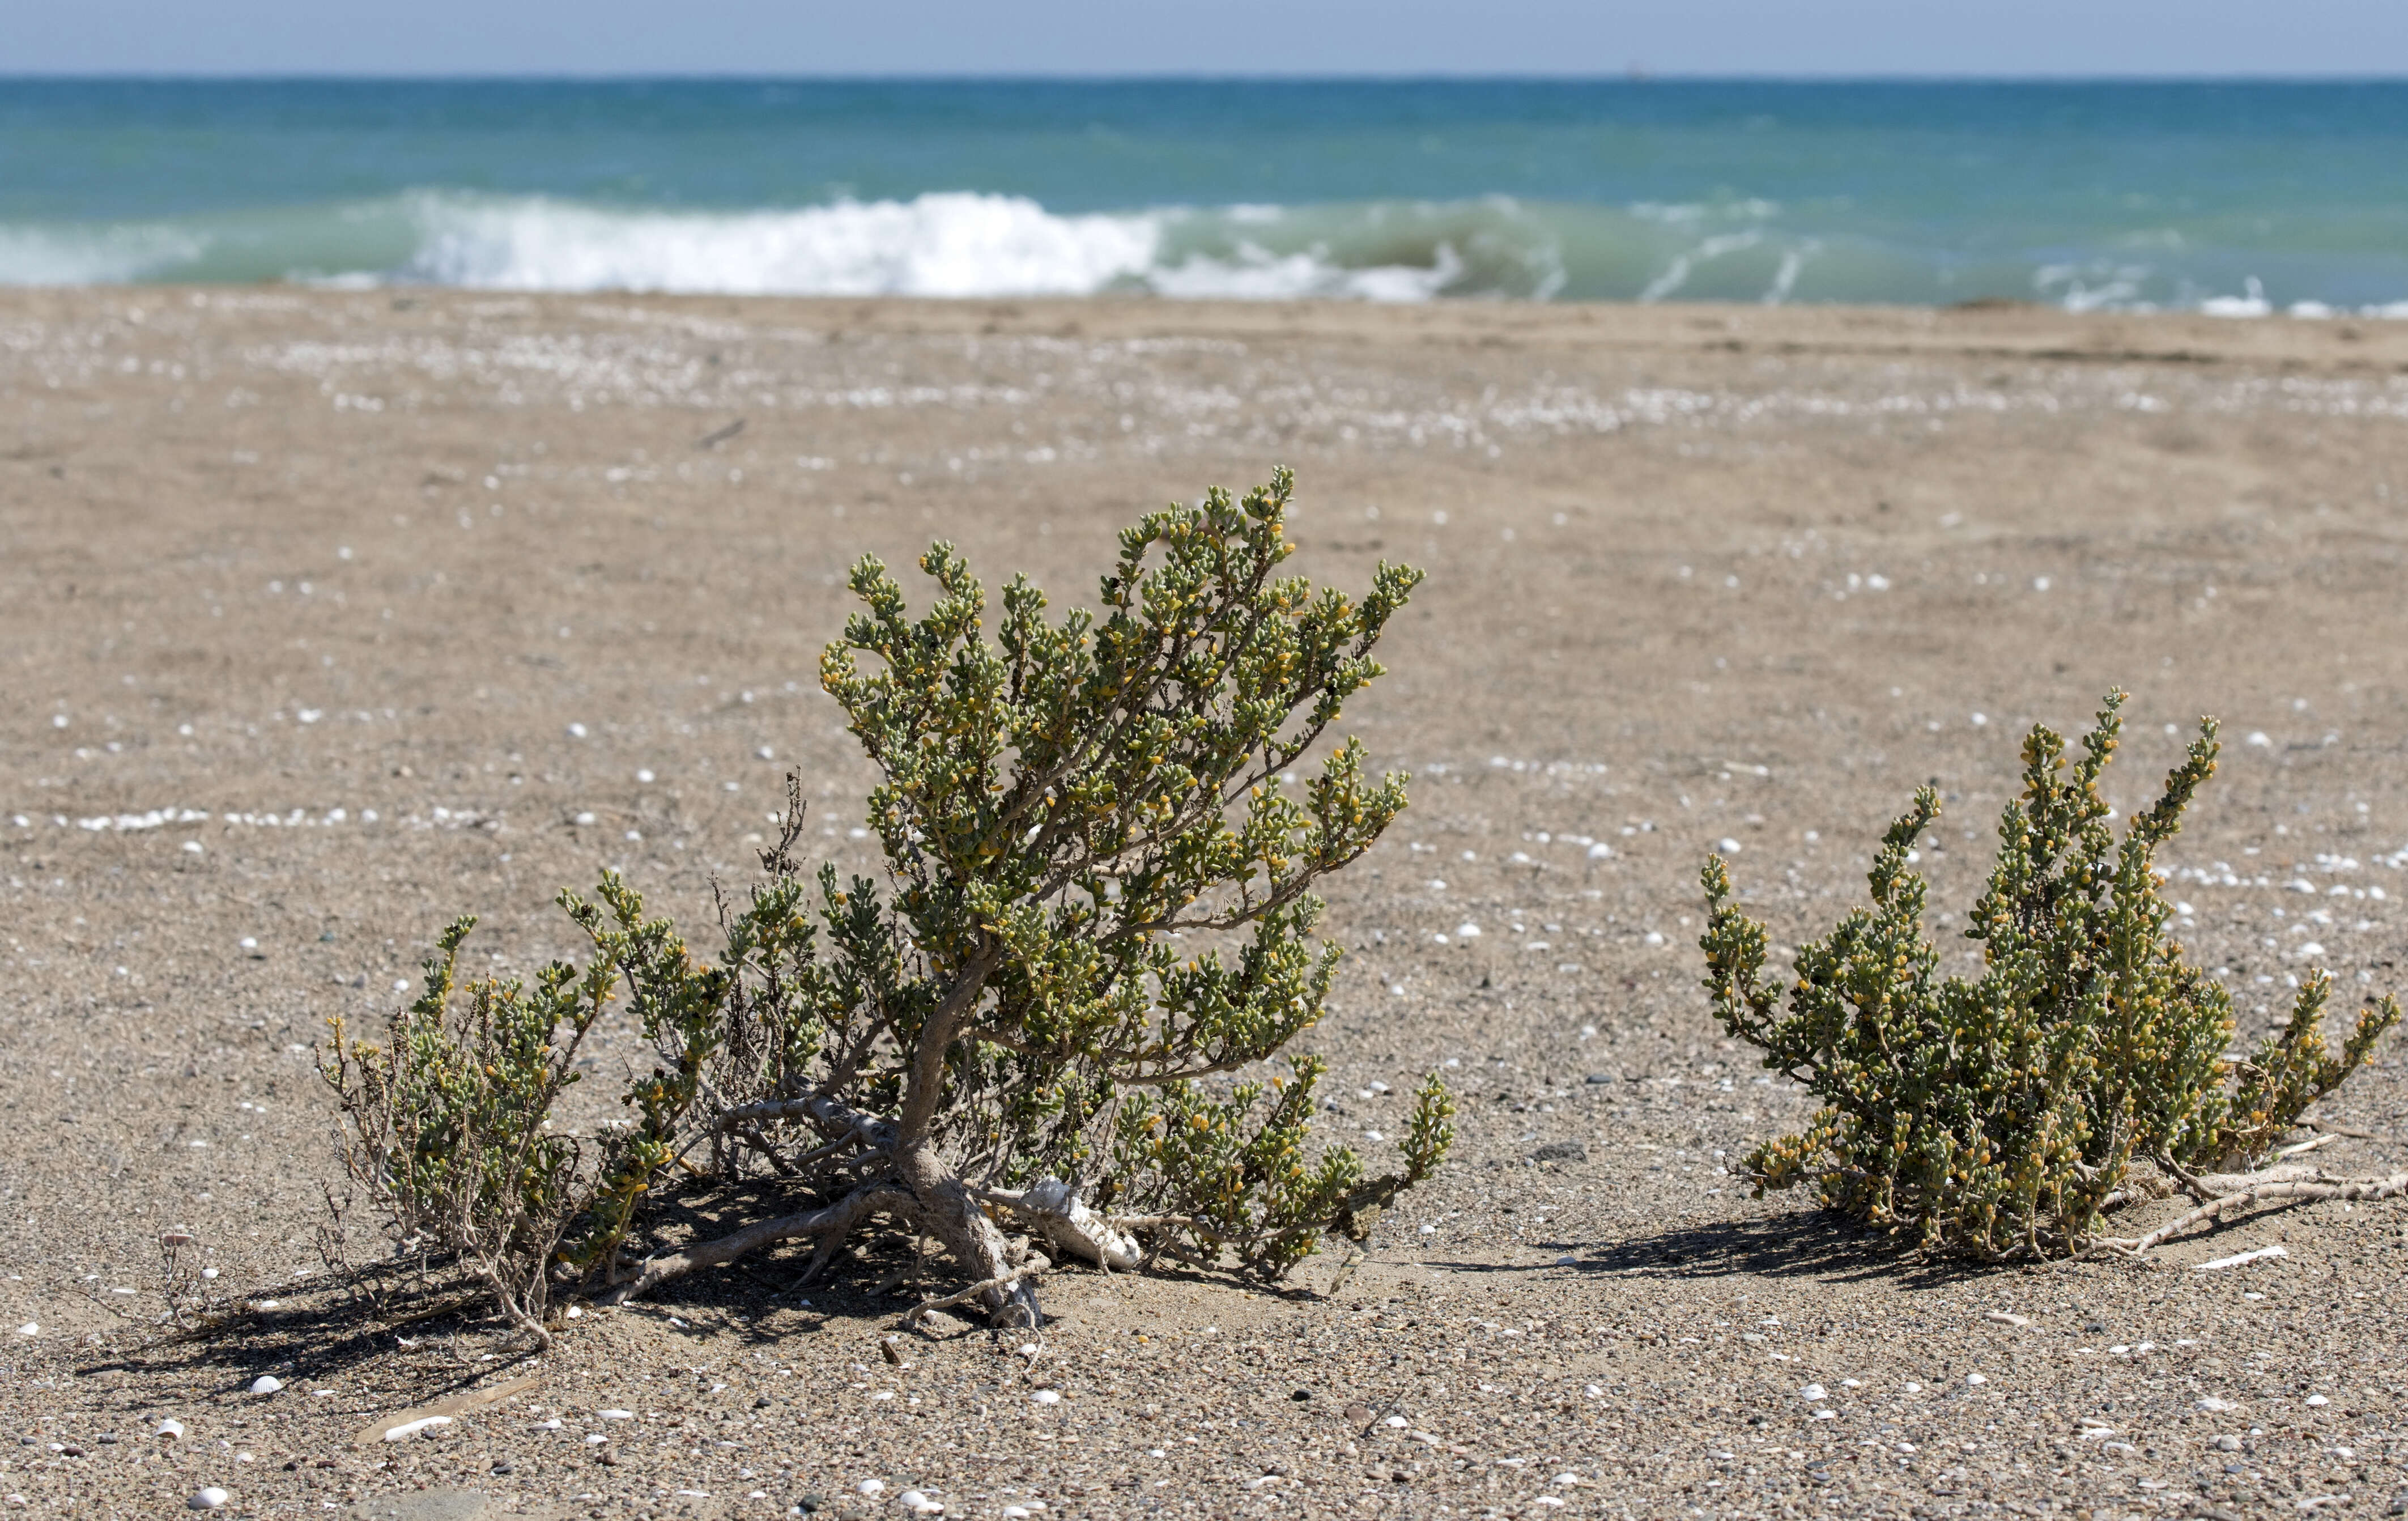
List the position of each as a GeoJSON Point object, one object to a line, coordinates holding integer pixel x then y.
{"type": "Point", "coordinates": [834, 1222]}
{"type": "Point", "coordinates": [2283, 1191]}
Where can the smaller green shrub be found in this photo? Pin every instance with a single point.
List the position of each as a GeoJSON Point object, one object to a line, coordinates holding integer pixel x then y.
{"type": "Point", "coordinates": [451, 1125]}
{"type": "Point", "coordinates": [2002, 1116]}
{"type": "Point", "coordinates": [449, 1120]}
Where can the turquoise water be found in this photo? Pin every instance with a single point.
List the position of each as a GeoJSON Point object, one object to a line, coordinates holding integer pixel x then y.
{"type": "Point", "coordinates": [2235, 197]}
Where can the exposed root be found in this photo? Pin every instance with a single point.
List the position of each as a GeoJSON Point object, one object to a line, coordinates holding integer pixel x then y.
{"type": "Point", "coordinates": [2221, 1183]}
{"type": "Point", "coordinates": [2262, 1189]}
{"type": "Point", "coordinates": [949, 1210]}
{"type": "Point", "coordinates": [833, 1222]}
{"type": "Point", "coordinates": [993, 1287]}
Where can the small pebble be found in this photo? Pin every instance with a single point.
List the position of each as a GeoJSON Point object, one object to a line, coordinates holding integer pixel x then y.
{"type": "Point", "coordinates": [2228, 1445]}
{"type": "Point", "coordinates": [2318, 1399]}
{"type": "Point", "coordinates": [206, 1499]}
{"type": "Point", "coordinates": [266, 1384]}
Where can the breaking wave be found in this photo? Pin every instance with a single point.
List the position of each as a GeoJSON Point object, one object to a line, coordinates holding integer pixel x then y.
{"type": "Point", "coordinates": [968, 243]}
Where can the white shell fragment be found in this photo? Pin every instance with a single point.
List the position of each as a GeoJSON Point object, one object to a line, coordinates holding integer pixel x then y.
{"type": "Point", "coordinates": [210, 1498]}
{"type": "Point", "coordinates": [1812, 1391]}
{"type": "Point", "coordinates": [266, 1384]}
{"type": "Point", "coordinates": [170, 1429]}
{"type": "Point", "coordinates": [411, 1429]}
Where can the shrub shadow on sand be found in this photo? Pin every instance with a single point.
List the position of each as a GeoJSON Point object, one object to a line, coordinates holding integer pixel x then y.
{"type": "Point", "coordinates": [403, 1320]}
{"type": "Point", "coordinates": [1809, 1243]}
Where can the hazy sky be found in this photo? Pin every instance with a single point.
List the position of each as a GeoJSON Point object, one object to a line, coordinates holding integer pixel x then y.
{"type": "Point", "coordinates": [1215, 36]}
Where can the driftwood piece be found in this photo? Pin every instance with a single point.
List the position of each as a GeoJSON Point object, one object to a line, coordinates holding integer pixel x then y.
{"type": "Point", "coordinates": [1054, 1210]}
{"type": "Point", "coordinates": [441, 1411]}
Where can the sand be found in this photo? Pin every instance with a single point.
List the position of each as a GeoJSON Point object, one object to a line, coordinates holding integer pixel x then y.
{"type": "Point", "coordinates": [328, 616]}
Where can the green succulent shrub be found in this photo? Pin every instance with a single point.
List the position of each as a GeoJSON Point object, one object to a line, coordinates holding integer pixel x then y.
{"type": "Point", "coordinates": [449, 1122]}
{"type": "Point", "coordinates": [1097, 912]}
{"type": "Point", "coordinates": [2003, 1115]}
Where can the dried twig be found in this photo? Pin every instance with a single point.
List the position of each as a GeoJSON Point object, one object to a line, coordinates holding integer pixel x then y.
{"type": "Point", "coordinates": [2329, 1128]}
{"type": "Point", "coordinates": [2286, 1192]}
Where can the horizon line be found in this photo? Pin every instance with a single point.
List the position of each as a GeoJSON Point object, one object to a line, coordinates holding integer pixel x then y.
{"type": "Point", "coordinates": [1632, 76]}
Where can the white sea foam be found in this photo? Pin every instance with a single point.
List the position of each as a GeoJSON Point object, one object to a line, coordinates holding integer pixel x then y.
{"type": "Point", "coordinates": [2254, 304]}
{"type": "Point", "coordinates": [102, 255]}
{"type": "Point", "coordinates": [1677, 273]}
{"type": "Point", "coordinates": [954, 244]}
{"type": "Point", "coordinates": [1256, 274]}
{"type": "Point", "coordinates": [968, 243]}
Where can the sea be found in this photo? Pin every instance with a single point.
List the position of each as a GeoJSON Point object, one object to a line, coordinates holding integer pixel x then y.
{"type": "Point", "coordinates": [2237, 198]}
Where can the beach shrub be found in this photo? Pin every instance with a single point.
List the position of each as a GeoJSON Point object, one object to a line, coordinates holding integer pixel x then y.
{"type": "Point", "coordinates": [449, 1122]}
{"type": "Point", "coordinates": [1095, 914]}
{"type": "Point", "coordinates": [2003, 1115]}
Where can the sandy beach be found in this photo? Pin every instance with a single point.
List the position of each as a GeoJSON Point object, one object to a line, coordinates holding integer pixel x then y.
{"type": "Point", "coordinates": [328, 616]}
